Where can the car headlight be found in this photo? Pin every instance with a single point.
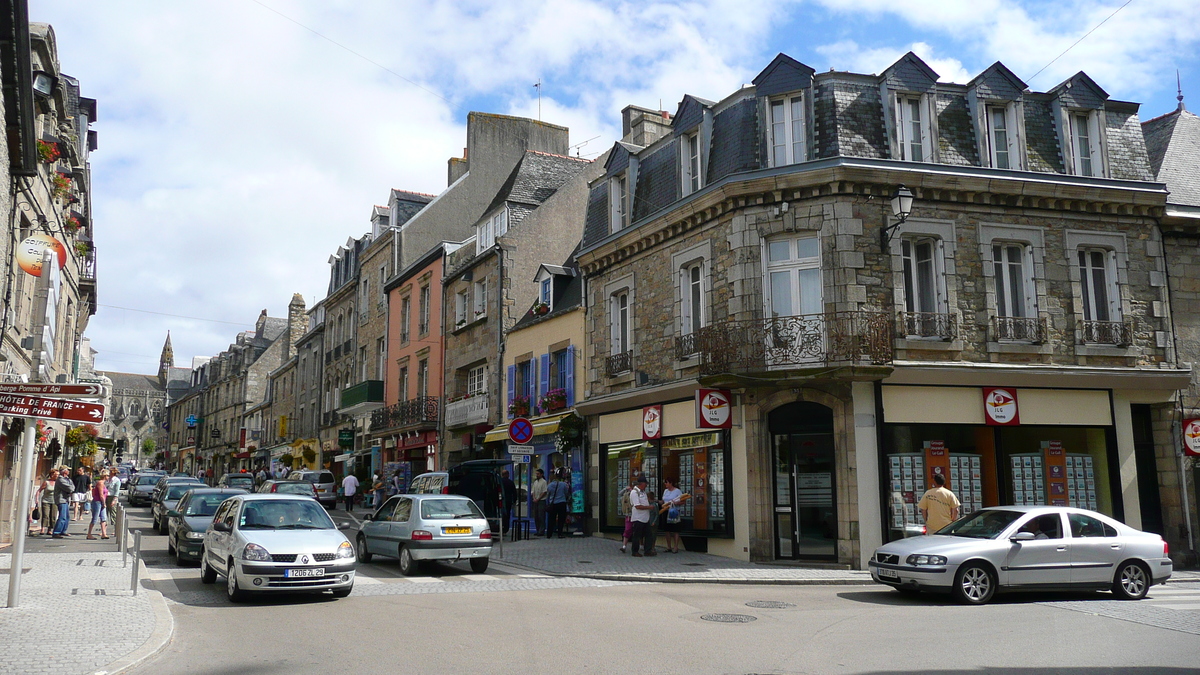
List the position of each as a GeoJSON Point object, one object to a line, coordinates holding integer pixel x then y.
{"type": "Point", "coordinates": [255, 552]}
{"type": "Point", "coordinates": [926, 560]}
{"type": "Point", "coordinates": [345, 550]}
{"type": "Point", "coordinates": [193, 535]}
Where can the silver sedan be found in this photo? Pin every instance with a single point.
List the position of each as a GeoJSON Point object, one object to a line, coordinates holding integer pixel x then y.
{"type": "Point", "coordinates": [1006, 548]}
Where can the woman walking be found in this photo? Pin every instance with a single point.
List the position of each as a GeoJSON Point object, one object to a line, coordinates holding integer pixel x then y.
{"type": "Point", "coordinates": [671, 499]}
{"type": "Point", "coordinates": [99, 500]}
{"type": "Point", "coordinates": [45, 501]}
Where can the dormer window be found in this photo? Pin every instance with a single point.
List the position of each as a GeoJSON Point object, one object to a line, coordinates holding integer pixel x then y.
{"type": "Point", "coordinates": [489, 229]}
{"type": "Point", "coordinates": [546, 293]}
{"type": "Point", "coordinates": [1002, 137]}
{"type": "Point", "coordinates": [912, 129]}
{"type": "Point", "coordinates": [619, 195]}
{"type": "Point", "coordinates": [788, 130]}
{"type": "Point", "coordinates": [1085, 144]}
{"type": "Point", "coordinates": [692, 178]}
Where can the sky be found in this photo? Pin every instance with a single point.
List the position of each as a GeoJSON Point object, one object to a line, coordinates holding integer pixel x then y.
{"type": "Point", "coordinates": [241, 142]}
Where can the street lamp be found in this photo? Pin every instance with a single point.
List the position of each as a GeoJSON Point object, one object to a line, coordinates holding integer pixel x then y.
{"type": "Point", "coordinates": [43, 83]}
{"type": "Point", "coordinates": [901, 208]}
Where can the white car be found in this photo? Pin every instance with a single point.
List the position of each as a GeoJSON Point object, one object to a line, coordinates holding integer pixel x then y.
{"type": "Point", "coordinates": [274, 542]}
{"type": "Point", "coordinates": [1025, 548]}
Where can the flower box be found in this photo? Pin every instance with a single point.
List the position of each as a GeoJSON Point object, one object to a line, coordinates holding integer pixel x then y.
{"type": "Point", "coordinates": [48, 152]}
{"type": "Point", "coordinates": [519, 406]}
{"type": "Point", "coordinates": [555, 399]}
{"type": "Point", "coordinates": [62, 185]}
{"type": "Point", "coordinates": [541, 309]}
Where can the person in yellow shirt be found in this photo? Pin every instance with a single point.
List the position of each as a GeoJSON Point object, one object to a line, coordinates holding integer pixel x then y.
{"type": "Point", "coordinates": [939, 506]}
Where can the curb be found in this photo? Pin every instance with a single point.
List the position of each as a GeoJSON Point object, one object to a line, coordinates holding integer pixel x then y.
{"type": "Point", "coordinates": [646, 578]}
{"type": "Point", "coordinates": [160, 637]}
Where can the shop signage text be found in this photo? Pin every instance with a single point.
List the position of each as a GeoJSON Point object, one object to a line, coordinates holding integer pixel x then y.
{"type": "Point", "coordinates": [652, 422]}
{"type": "Point", "coordinates": [714, 409]}
{"type": "Point", "coordinates": [1000, 407]}
{"type": "Point", "coordinates": [346, 438]}
{"type": "Point", "coordinates": [520, 449]}
{"type": "Point", "coordinates": [56, 390]}
{"type": "Point", "coordinates": [1191, 437]}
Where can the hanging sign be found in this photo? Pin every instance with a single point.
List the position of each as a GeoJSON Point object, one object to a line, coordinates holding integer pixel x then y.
{"type": "Point", "coordinates": [1191, 437]}
{"type": "Point", "coordinates": [29, 252]}
{"type": "Point", "coordinates": [1000, 407]}
{"type": "Point", "coordinates": [652, 422]}
{"type": "Point", "coordinates": [714, 409]}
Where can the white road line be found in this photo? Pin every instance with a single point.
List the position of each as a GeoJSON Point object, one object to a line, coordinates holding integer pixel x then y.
{"type": "Point", "coordinates": [360, 579]}
{"type": "Point", "coordinates": [1190, 605]}
{"type": "Point", "coordinates": [478, 577]}
{"type": "Point", "coordinates": [425, 580]}
{"type": "Point", "coordinates": [533, 576]}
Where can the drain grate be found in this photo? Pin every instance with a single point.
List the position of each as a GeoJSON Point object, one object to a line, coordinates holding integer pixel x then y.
{"type": "Point", "coordinates": [584, 562]}
{"type": "Point", "coordinates": [693, 564]}
{"type": "Point", "coordinates": [729, 618]}
{"type": "Point", "coordinates": [769, 604]}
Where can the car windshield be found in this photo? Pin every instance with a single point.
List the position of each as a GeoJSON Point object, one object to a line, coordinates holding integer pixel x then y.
{"type": "Point", "coordinates": [177, 491]}
{"type": "Point", "coordinates": [323, 477]}
{"type": "Point", "coordinates": [284, 514]}
{"type": "Point", "coordinates": [294, 488]}
{"type": "Point", "coordinates": [981, 524]}
{"type": "Point", "coordinates": [449, 508]}
{"type": "Point", "coordinates": [239, 480]}
{"type": "Point", "coordinates": [204, 505]}
{"type": "Point", "coordinates": [147, 480]}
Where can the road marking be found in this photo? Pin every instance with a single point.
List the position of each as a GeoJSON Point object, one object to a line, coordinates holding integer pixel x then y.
{"type": "Point", "coordinates": [1190, 605]}
{"type": "Point", "coordinates": [425, 580]}
{"type": "Point", "coordinates": [533, 576]}
{"type": "Point", "coordinates": [477, 577]}
{"type": "Point", "coordinates": [360, 579]}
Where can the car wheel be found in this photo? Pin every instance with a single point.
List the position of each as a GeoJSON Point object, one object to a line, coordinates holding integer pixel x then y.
{"type": "Point", "coordinates": [163, 527]}
{"type": "Point", "coordinates": [479, 565]}
{"type": "Point", "coordinates": [343, 592]}
{"type": "Point", "coordinates": [408, 566]}
{"type": "Point", "coordinates": [974, 584]}
{"type": "Point", "coordinates": [235, 593]}
{"type": "Point", "coordinates": [363, 554]}
{"type": "Point", "coordinates": [207, 574]}
{"type": "Point", "coordinates": [171, 550]}
{"type": "Point", "coordinates": [1132, 581]}
{"type": "Point", "coordinates": [154, 521]}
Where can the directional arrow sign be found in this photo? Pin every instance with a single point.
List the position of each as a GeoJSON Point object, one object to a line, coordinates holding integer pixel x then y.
{"type": "Point", "coordinates": [51, 408]}
{"type": "Point", "coordinates": [58, 390]}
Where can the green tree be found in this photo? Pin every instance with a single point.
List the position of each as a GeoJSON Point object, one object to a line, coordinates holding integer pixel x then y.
{"type": "Point", "coordinates": [148, 446]}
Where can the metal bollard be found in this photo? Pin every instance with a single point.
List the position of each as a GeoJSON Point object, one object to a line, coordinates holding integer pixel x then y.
{"type": "Point", "coordinates": [137, 557]}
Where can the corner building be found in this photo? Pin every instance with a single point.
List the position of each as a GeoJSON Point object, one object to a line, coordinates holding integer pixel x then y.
{"type": "Point", "coordinates": [745, 250]}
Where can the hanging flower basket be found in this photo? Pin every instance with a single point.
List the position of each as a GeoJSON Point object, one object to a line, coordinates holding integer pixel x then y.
{"type": "Point", "coordinates": [72, 224]}
{"type": "Point", "coordinates": [62, 185]}
{"type": "Point", "coordinates": [48, 152]}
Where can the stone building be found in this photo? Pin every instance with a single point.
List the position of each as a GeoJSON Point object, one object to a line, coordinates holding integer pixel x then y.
{"type": "Point", "coordinates": [137, 404]}
{"type": "Point", "coordinates": [811, 359]}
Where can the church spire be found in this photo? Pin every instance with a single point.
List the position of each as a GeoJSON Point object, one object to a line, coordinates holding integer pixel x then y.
{"type": "Point", "coordinates": [166, 361]}
{"type": "Point", "coordinates": [1179, 90]}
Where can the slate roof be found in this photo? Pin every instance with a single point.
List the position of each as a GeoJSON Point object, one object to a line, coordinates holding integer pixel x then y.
{"type": "Point", "coordinates": [133, 381]}
{"type": "Point", "coordinates": [537, 176]}
{"type": "Point", "coordinates": [1173, 145]}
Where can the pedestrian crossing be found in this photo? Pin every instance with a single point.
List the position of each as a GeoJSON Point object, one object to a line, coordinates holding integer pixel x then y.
{"type": "Point", "coordinates": [1177, 596]}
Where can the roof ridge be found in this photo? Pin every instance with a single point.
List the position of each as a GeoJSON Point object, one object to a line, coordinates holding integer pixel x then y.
{"type": "Point", "coordinates": [553, 154]}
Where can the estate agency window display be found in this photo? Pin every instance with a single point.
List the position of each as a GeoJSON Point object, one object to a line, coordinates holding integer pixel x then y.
{"type": "Point", "coordinates": [696, 461]}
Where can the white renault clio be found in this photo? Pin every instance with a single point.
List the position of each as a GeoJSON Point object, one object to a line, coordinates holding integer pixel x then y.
{"type": "Point", "coordinates": [272, 542]}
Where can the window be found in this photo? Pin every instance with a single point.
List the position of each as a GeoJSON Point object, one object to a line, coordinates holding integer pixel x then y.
{"type": "Point", "coordinates": [924, 283]}
{"type": "Point", "coordinates": [382, 282]}
{"type": "Point", "coordinates": [546, 292]}
{"type": "Point", "coordinates": [560, 367]}
{"type": "Point", "coordinates": [619, 195]}
{"type": "Point", "coordinates": [524, 381]}
{"type": "Point", "coordinates": [1100, 298]}
{"type": "Point", "coordinates": [380, 359]}
{"type": "Point", "coordinates": [1085, 144]}
{"type": "Point", "coordinates": [692, 179]}
{"type": "Point", "coordinates": [476, 380]}
{"type": "Point", "coordinates": [619, 319]}
{"type": "Point", "coordinates": [1014, 285]}
{"type": "Point", "coordinates": [462, 301]}
{"type": "Point", "coordinates": [405, 315]}
{"type": "Point", "coordinates": [691, 293]}
{"type": "Point", "coordinates": [403, 384]}
{"type": "Point", "coordinates": [423, 308]}
{"type": "Point", "coordinates": [480, 304]}
{"type": "Point", "coordinates": [488, 230]}
{"type": "Point", "coordinates": [912, 129]}
{"type": "Point", "coordinates": [422, 378]}
{"type": "Point", "coordinates": [1086, 526]}
{"type": "Point", "coordinates": [1002, 137]}
{"type": "Point", "coordinates": [362, 364]}
{"type": "Point", "coordinates": [788, 133]}
{"type": "Point", "coordinates": [793, 276]}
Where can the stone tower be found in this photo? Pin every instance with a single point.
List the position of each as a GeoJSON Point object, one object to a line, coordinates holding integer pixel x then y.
{"type": "Point", "coordinates": [297, 323]}
{"type": "Point", "coordinates": [166, 361]}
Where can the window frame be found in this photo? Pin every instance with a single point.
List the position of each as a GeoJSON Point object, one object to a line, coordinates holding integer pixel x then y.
{"type": "Point", "coordinates": [423, 310]}
{"type": "Point", "coordinates": [1087, 283]}
{"type": "Point", "coordinates": [691, 163]}
{"type": "Point", "coordinates": [905, 102]}
{"type": "Point", "coordinates": [477, 380]}
{"type": "Point", "coordinates": [618, 196]}
{"type": "Point", "coordinates": [1095, 160]}
{"type": "Point", "coordinates": [1004, 284]}
{"type": "Point", "coordinates": [462, 303]}
{"type": "Point", "coordinates": [546, 291]}
{"type": "Point", "coordinates": [692, 296]}
{"type": "Point", "coordinates": [1012, 144]}
{"type": "Point", "coordinates": [620, 329]}
{"type": "Point", "coordinates": [789, 104]}
{"type": "Point", "coordinates": [478, 300]}
{"type": "Point", "coordinates": [793, 266]}
{"type": "Point", "coordinates": [911, 276]}
{"type": "Point", "coordinates": [422, 378]}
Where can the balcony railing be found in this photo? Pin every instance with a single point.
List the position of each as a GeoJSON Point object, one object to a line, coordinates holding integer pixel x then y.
{"type": "Point", "coordinates": [1115, 333]}
{"type": "Point", "coordinates": [365, 392]}
{"type": "Point", "coordinates": [1033, 330]}
{"type": "Point", "coordinates": [928, 325]}
{"type": "Point", "coordinates": [686, 346]}
{"type": "Point", "coordinates": [422, 410]}
{"type": "Point", "coordinates": [619, 363]}
{"type": "Point", "coordinates": [789, 342]}
{"type": "Point", "coordinates": [87, 268]}
{"type": "Point", "coordinates": [404, 336]}
{"type": "Point", "coordinates": [422, 329]}
{"type": "Point", "coordinates": [467, 411]}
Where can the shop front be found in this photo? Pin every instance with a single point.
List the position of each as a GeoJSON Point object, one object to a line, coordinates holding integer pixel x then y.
{"type": "Point", "coordinates": [555, 449]}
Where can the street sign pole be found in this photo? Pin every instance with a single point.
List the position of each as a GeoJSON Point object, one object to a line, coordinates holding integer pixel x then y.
{"type": "Point", "coordinates": [24, 490]}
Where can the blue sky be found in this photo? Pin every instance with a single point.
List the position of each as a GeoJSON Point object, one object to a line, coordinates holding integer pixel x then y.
{"type": "Point", "coordinates": [238, 149]}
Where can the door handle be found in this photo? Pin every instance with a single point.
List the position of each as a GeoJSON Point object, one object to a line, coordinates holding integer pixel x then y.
{"type": "Point", "coordinates": [1062, 548]}
{"type": "Point", "coordinates": [1115, 547]}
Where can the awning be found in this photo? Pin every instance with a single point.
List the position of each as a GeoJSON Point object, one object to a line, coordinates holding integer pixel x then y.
{"type": "Point", "coordinates": [541, 427]}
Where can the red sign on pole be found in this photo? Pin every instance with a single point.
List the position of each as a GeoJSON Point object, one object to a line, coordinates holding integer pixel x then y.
{"type": "Point", "coordinates": [51, 409]}
{"type": "Point", "coordinates": [520, 430]}
{"type": "Point", "coordinates": [59, 390]}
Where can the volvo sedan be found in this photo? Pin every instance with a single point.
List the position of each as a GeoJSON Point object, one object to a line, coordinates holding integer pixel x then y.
{"type": "Point", "coordinates": [1022, 548]}
{"type": "Point", "coordinates": [276, 543]}
{"type": "Point", "coordinates": [448, 528]}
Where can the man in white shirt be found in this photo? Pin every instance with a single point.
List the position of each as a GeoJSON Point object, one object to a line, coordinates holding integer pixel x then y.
{"type": "Point", "coordinates": [538, 491]}
{"type": "Point", "coordinates": [639, 516]}
{"type": "Point", "coordinates": [349, 487]}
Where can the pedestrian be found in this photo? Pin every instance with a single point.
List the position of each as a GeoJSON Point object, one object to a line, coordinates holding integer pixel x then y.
{"type": "Point", "coordinates": [670, 512]}
{"type": "Point", "coordinates": [349, 487]}
{"type": "Point", "coordinates": [508, 498]}
{"type": "Point", "coordinates": [394, 484]}
{"type": "Point", "coordinates": [378, 491]}
{"type": "Point", "coordinates": [261, 476]}
{"type": "Point", "coordinates": [538, 491]}
{"type": "Point", "coordinates": [114, 490]}
{"type": "Point", "coordinates": [652, 526]}
{"type": "Point", "coordinates": [46, 506]}
{"type": "Point", "coordinates": [939, 506]}
{"type": "Point", "coordinates": [64, 489]}
{"type": "Point", "coordinates": [623, 500]}
{"type": "Point", "coordinates": [99, 498]}
{"type": "Point", "coordinates": [557, 495]}
{"type": "Point", "coordinates": [639, 505]}
{"type": "Point", "coordinates": [82, 489]}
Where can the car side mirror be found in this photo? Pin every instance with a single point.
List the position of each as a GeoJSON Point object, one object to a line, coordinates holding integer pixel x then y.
{"type": "Point", "coordinates": [1023, 536]}
{"type": "Point", "coordinates": [367, 517]}
{"type": "Point", "coordinates": [172, 513]}
{"type": "Point", "coordinates": [345, 526]}
{"type": "Point", "coordinates": [221, 526]}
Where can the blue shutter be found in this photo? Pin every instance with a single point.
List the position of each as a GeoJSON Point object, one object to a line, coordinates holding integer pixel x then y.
{"type": "Point", "coordinates": [546, 383]}
{"type": "Point", "coordinates": [531, 384]}
{"type": "Point", "coordinates": [512, 383]}
{"type": "Point", "coordinates": [569, 376]}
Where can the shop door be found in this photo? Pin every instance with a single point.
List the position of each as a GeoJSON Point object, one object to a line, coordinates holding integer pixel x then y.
{"type": "Point", "coordinates": [805, 507]}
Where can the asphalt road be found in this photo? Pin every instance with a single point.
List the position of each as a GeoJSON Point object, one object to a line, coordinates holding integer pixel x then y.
{"type": "Point", "coordinates": [449, 620]}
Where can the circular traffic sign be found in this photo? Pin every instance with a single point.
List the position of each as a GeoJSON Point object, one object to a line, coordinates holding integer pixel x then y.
{"type": "Point", "coordinates": [520, 431]}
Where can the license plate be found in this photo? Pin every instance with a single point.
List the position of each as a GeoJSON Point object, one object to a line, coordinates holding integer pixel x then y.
{"type": "Point", "coordinates": [297, 574]}
{"type": "Point", "coordinates": [886, 574]}
{"type": "Point", "coordinates": [456, 530]}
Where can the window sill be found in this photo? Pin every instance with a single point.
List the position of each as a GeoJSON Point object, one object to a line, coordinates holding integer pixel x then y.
{"type": "Point", "coordinates": [1106, 350]}
{"type": "Point", "coordinates": [477, 320]}
{"type": "Point", "coordinates": [1018, 348]}
{"type": "Point", "coordinates": [620, 378]}
{"type": "Point", "coordinates": [692, 361]}
{"type": "Point", "coordinates": [929, 345]}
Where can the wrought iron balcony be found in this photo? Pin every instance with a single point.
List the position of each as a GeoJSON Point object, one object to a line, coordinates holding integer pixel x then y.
{"type": "Point", "coordinates": [87, 267]}
{"type": "Point", "coordinates": [619, 363]}
{"type": "Point", "coordinates": [367, 392]}
{"type": "Point", "coordinates": [796, 342]}
{"type": "Point", "coordinates": [1115, 333]}
{"type": "Point", "coordinates": [418, 411]}
{"type": "Point", "coordinates": [1033, 330]}
{"type": "Point", "coordinates": [686, 346]}
{"type": "Point", "coordinates": [928, 325]}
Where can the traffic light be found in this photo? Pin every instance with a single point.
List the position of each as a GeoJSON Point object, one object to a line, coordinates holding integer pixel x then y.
{"type": "Point", "coordinates": [120, 453]}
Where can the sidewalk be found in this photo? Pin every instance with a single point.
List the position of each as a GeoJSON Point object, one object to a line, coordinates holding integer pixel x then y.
{"type": "Point", "coordinates": [76, 613]}
{"type": "Point", "coordinates": [599, 558]}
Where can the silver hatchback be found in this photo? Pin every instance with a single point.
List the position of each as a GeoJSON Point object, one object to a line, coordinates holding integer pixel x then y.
{"type": "Point", "coordinates": [448, 528]}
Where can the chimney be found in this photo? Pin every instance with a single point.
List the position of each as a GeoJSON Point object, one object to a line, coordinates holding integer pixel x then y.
{"type": "Point", "coordinates": [456, 167]}
{"type": "Point", "coordinates": [643, 126]}
{"type": "Point", "coordinates": [297, 324]}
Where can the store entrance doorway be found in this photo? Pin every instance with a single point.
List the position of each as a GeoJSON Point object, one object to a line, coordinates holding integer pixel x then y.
{"type": "Point", "coordinates": [805, 502]}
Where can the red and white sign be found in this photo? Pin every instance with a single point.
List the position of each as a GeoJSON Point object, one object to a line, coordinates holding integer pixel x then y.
{"type": "Point", "coordinates": [652, 422]}
{"type": "Point", "coordinates": [51, 408]}
{"type": "Point", "coordinates": [1191, 437]}
{"type": "Point", "coordinates": [520, 430]}
{"type": "Point", "coordinates": [937, 448]}
{"type": "Point", "coordinates": [58, 390]}
{"type": "Point", "coordinates": [1000, 407]}
{"type": "Point", "coordinates": [714, 409]}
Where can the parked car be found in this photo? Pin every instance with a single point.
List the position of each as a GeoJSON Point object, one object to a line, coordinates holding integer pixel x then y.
{"type": "Point", "coordinates": [1024, 548]}
{"type": "Point", "coordinates": [143, 486]}
{"type": "Point", "coordinates": [276, 543]}
{"type": "Point", "coordinates": [449, 528]}
{"type": "Point", "coordinates": [322, 481]}
{"type": "Point", "coordinates": [289, 487]}
{"type": "Point", "coordinates": [191, 518]}
{"type": "Point", "coordinates": [165, 500]}
{"type": "Point", "coordinates": [244, 481]}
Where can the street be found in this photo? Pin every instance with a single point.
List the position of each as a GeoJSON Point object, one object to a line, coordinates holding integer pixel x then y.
{"type": "Point", "coordinates": [508, 620]}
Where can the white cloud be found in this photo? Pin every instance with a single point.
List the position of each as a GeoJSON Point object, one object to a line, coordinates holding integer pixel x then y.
{"type": "Point", "coordinates": [849, 55]}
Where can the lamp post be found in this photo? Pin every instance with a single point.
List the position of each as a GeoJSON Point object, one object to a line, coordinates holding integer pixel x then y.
{"type": "Point", "coordinates": [901, 203]}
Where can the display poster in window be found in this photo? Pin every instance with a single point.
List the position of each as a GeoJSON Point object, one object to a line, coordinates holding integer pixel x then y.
{"type": "Point", "coordinates": [937, 461]}
{"type": "Point", "coordinates": [1000, 407]}
{"type": "Point", "coordinates": [1191, 437]}
{"type": "Point", "coordinates": [652, 416]}
{"type": "Point", "coordinates": [714, 409]}
{"type": "Point", "coordinates": [700, 489]}
{"type": "Point", "coordinates": [1056, 472]}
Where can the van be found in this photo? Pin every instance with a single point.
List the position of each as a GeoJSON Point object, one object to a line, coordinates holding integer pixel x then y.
{"type": "Point", "coordinates": [478, 479]}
